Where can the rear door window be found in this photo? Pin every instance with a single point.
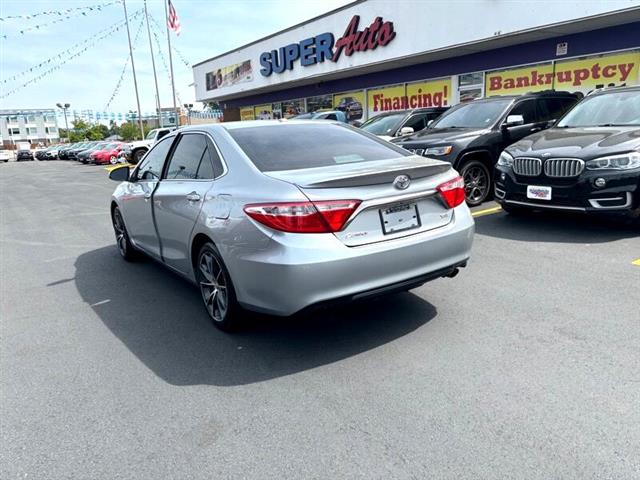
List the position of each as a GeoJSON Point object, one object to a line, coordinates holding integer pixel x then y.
{"type": "Point", "coordinates": [417, 122]}
{"type": "Point", "coordinates": [528, 111]}
{"type": "Point", "coordinates": [295, 146]}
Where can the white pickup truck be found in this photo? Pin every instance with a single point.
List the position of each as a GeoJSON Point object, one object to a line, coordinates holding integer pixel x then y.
{"type": "Point", "coordinates": [140, 147]}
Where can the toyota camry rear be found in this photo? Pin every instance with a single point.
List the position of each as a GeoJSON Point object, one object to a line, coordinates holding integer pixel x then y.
{"type": "Point", "coordinates": [300, 214]}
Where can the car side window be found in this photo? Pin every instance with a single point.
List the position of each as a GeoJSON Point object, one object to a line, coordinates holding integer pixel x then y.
{"type": "Point", "coordinates": [331, 116]}
{"type": "Point", "coordinates": [527, 109]}
{"type": "Point", "coordinates": [162, 133]}
{"type": "Point", "coordinates": [151, 166]}
{"type": "Point", "coordinates": [218, 167]}
{"type": "Point", "coordinates": [554, 108]}
{"type": "Point", "coordinates": [190, 159]}
{"type": "Point", "coordinates": [417, 122]}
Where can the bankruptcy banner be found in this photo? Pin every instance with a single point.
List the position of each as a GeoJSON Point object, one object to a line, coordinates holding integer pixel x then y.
{"type": "Point", "coordinates": [572, 75]}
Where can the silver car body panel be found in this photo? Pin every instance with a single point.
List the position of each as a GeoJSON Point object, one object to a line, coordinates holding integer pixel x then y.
{"type": "Point", "coordinates": [281, 273]}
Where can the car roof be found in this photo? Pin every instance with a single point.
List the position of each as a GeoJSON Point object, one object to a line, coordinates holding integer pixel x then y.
{"type": "Point", "coordinates": [606, 90]}
{"type": "Point", "coordinates": [253, 123]}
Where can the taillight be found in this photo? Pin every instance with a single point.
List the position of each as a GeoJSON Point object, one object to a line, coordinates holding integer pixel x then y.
{"type": "Point", "coordinates": [303, 217]}
{"type": "Point", "coordinates": [452, 192]}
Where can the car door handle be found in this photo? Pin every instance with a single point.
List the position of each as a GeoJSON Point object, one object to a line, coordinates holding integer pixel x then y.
{"type": "Point", "coordinates": [535, 129]}
{"type": "Point", "coordinates": [147, 195]}
{"type": "Point", "coordinates": [193, 197]}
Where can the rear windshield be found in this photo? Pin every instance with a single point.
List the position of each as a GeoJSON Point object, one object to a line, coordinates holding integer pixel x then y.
{"type": "Point", "coordinates": [293, 147]}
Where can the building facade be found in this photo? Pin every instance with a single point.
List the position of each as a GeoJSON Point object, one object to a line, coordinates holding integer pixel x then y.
{"type": "Point", "coordinates": [35, 126]}
{"type": "Point", "coordinates": [373, 56]}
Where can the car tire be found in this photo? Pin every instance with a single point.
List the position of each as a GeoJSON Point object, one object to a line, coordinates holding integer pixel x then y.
{"type": "Point", "coordinates": [477, 182]}
{"type": "Point", "coordinates": [123, 242]}
{"type": "Point", "coordinates": [113, 160]}
{"type": "Point", "coordinates": [137, 155]}
{"type": "Point", "coordinates": [216, 289]}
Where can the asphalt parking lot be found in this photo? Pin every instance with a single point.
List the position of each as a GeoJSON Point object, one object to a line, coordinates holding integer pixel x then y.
{"type": "Point", "coordinates": [526, 365]}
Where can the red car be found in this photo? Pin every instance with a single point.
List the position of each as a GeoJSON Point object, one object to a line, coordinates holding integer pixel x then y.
{"type": "Point", "coordinates": [108, 154]}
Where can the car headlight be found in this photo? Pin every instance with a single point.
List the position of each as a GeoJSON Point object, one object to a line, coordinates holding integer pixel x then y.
{"type": "Point", "coordinates": [625, 161]}
{"type": "Point", "coordinates": [505, 160]}
{"type": "Point", "coordinates": [446, 150]}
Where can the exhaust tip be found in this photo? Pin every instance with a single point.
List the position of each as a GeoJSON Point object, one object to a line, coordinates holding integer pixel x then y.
{"type": "Point", "coordinates": [453, 273]}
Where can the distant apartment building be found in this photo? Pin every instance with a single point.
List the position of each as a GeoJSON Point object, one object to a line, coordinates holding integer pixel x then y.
{"type": "Point", "coordinates": [29, 125]}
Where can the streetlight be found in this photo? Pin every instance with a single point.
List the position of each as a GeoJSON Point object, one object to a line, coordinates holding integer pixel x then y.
{"type": "Point", "coordinates": [64, 108]}
{"type": "Point", "coordinates": [188, 106]}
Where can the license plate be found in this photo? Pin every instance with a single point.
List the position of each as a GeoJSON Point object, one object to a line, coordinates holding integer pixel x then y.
{"type": "Point", "coordinates": [399, 217]}
{"type": "Point", "coordinates": [538, 193]}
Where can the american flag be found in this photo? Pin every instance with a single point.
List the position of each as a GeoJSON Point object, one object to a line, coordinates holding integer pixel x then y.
{"type": "Point", "coordinates": [173, 21]}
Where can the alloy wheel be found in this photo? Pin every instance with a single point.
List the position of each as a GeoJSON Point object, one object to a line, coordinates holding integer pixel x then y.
{"type": "Point", "coordinates": [476, 184]}
{"type": "Point", "coordinates": [113, 160]}
{"type": "Point", "coordinates": [121, 232]}
{"type": "Point", "coordinates": [213, 286]}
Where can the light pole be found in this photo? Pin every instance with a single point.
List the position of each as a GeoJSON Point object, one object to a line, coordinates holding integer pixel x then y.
{"type": "Point", "coordinates": [188, 106]}
{"type": "Point", "coordinates": [64, 108]}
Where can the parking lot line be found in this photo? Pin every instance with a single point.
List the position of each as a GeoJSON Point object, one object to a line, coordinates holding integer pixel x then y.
{"type": "Point", "coordinates": [636, 262]}
{"type": "Point", "coordinates": [486, 211]}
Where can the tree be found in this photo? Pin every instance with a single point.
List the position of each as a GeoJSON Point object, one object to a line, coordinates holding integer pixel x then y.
{"type": "Point", "coordinates": [98, 132]}
{"type": "Point", "coordinates": [129, 131]}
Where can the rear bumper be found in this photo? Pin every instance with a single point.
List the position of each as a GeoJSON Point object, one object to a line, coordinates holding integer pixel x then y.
{"type": "Point", "coordinates": [296, 272]}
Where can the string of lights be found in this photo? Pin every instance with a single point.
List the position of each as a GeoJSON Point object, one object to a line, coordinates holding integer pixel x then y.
{"type": "Point", "coordinates": [60, 55]}
{"type": "Point", "coordinates": [81, 11]}
{"type": "Point", "coordinates": [116, 90]}
{"type": "Point", "coordinates": [59, 12]}
{"type": "Point", "coordinates": [49, 71]}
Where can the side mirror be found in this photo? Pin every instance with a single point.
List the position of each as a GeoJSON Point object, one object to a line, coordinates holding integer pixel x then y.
{"type": "Point", "coordinates": [405, 131]}
{"type": "Point", "coordinates": [429, 123]}
{"type": "Point", "coordinates": [513, 121]}
{"type": "Point", "coordinates": [120, 174]}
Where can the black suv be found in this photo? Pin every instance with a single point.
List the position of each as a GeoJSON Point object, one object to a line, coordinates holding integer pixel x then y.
{"type": "Point", "coordinates": [472, 135]}
{"type": "Point", "coordinates": [24, 155]}
{"type": "Point", "coordinates": [388, 125]}
{"type": "Point", "coordinates": [589, 161]}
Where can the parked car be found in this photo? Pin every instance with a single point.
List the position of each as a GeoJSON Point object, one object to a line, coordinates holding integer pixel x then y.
{"type": "Point", "coordinates": [24, 155]}
{"type": "Point", "coordinates": [140, 147]}
{"type": "Point", "coordinates": [472, 135]}
{"type": "Point", "coordinates": [108, 154]}
{"type": "Point", "coordinates": [63, 151]}
{"type": "Point", "coordinates": [5, 156]}
{"type": "Point", "coordinates": [397, 123]}
{"type": "Point", "coordinates": [72, 153]}
{"type": "Point", "coordinates": [350, 106]}
{"type": "Point", "coordinates": [85, 155]}
{"type": "Point", "coordinates": [40, 153]}
{"type": "Point", "coordinates": [273, 225]}
{"type": "Point", "coordinates": [588, 162]}
{"type": "Point", "coordinates": [335, 115]}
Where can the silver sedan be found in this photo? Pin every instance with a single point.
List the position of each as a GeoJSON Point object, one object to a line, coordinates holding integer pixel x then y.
{"type": "Point", "coordinates": [278, 216]}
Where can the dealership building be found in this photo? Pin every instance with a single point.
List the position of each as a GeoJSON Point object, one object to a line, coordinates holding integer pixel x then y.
{"type": "Point", "coordinates": [373, 56]}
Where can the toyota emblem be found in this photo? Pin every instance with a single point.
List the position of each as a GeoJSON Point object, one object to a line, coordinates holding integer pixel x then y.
{"type": "Point", "coordinates": [402, 182]}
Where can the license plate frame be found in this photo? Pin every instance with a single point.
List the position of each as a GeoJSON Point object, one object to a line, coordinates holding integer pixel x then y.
{"type": "Point", "coordinates": [539, 192]}
{"type": "Point", "coordinates": [399, 218]}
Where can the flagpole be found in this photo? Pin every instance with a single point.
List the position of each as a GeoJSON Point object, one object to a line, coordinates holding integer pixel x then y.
{"type": "Point", "coordinates": [173, 84]}
{"type": "Point", "coordinates": [153, 64]}
{"type": "Point", "coordinates": [133, 67]}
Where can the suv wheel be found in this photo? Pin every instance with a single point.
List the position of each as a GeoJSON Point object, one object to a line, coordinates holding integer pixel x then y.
{"type": "Point", "coordinates": [477, 182]}
{"type": "Point", "coordinates": [137, 155]}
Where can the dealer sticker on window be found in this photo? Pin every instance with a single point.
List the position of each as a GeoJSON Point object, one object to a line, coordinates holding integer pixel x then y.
{"type": "Point", "coordinates": [538, 193]}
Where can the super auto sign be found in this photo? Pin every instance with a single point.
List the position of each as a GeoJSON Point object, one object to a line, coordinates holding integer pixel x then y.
{"type": "Point", "coordinates": [323, 47]}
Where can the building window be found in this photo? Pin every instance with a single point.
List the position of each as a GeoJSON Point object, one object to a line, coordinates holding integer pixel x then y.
{"type": "Point", "coordinates": [470, 86]}
{"type": "Point", "coordinates": [51, 130]}
{"type": "Point", "coordinates": [13, 119]}
{"type": "Point", "coordinates": [30, 119]}
{"type": "Point", "coordinates": [32, 131]}
{"type": "Point", "coordinates": [50, 118]}
{"type": "Point", "coordinates": [14, 131]}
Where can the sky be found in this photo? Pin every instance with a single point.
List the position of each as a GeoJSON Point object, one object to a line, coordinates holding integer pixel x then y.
{"type": "Point", "coordinates": [88, 81]}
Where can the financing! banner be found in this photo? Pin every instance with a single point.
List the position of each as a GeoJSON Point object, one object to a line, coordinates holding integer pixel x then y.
{"type": "Point", "coordinates": [247, 113]}
{"type": "Point", "coordinates": [433, 93]}
{"type": "Point", "coordinates": [351, 103]}
{"type": "Point", "coordinates": [229, 75]}
{"type": "Point", "coordinates": [571, 75]}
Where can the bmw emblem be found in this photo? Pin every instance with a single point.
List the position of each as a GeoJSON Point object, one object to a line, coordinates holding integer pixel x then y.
{"type": "Point", "coordinates": [402, 182]}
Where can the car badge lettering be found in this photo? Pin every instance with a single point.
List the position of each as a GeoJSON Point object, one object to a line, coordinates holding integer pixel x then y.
{"type": "Point", "coordinates": [402, 182]}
